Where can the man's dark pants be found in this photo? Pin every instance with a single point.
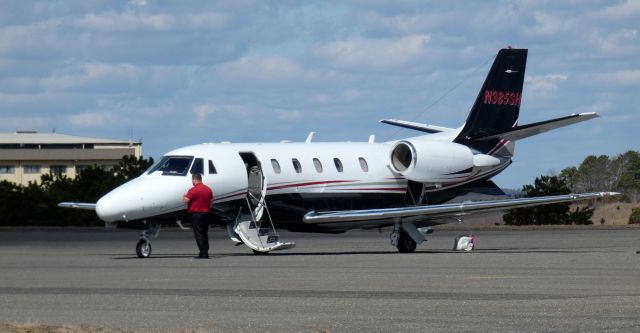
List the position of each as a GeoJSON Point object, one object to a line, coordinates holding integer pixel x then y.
{"type": "Point", "coordinates": [200, 225]}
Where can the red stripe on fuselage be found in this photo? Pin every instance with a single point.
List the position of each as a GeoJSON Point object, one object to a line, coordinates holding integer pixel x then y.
{"type": "Point", "coordinates": [308, 184]}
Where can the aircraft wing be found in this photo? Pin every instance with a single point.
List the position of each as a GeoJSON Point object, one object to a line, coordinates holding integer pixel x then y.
{"type": "Point", "coordinates": [444, 210]}
{"type": "Point", "coordinates": [78, 205]}
{"type": "Point", "coordinates": [525, 131]}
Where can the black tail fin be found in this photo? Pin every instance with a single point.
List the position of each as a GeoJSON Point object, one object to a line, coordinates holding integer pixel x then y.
{"type": "Point", "coordinates": [498, 104]}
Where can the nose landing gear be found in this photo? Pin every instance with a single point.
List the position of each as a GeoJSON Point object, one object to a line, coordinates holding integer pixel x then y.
{"type": "Point", "coordinates": [143, 248]}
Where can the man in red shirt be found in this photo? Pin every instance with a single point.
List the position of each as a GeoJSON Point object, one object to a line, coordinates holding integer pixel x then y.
{"type": "Point", "coordinates": [198, 200]}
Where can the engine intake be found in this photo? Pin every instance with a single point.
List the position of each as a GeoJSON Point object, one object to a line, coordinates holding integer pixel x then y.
{"type": "Point", "coordinates": [431, 161]}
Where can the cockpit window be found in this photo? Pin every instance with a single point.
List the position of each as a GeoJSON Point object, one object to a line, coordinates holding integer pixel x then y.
{"type": "Point", "coordinates": [173, 165]}
{"type": "Point", "coordinates": [198, 166]}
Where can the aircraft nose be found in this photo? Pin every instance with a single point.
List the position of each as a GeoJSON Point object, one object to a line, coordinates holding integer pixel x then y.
{"type": "Point", "coordinates": [109, 210]}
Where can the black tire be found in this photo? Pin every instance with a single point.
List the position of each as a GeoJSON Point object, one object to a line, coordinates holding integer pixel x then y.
{"type": "Point", "coordinates": [258, 253]}
{"type": "Point", "coordinates": [143, 249]}
{"type": "Point", "coordinates": [406, 244]}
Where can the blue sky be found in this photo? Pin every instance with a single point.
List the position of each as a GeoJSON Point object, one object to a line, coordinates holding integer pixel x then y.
{"type": "Point", "coordinates": [184, 72]}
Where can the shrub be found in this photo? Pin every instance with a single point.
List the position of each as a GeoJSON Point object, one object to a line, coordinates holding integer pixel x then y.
{"type": "Point", "coordinates": [634, 218]}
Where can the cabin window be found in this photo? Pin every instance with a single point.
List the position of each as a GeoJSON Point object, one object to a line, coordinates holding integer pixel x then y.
{"type": "Point", "coordinates": [275, 165]}
{"type": "Point", "coordinates": [172, 165]}
{"type": "Point", "coordinates": [212, 168]}
{"type": "Point", "coordinates": [296, 165]}
{"type": "Point", "coordinates": [198, 166]}
{"type": "Point", "coordinates": [338, 164]}
{"type": "Point", "coordinates": [363, 164]}
{"type": "Point", "coordinates": [318, 165]}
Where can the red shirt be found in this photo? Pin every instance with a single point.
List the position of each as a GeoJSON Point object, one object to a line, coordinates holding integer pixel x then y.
{"type": "Point", "coordinates": [200, 197]}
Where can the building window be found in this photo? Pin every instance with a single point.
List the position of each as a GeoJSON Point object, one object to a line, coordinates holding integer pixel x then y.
{"type": "Point", "coordinates": [363, 164]}
{"type": "Point", "coordinates": [296, 165]}
{"type": "Point", "coordinates": [80, 168]}
{"type": "Point", "coordinates": [58, 169]}
{"type": "Point", "coordinates": [275, 165]}
{"type": "Point", "coordinates": [7, 169]}
{"type": "Point", "coordinates": [31, 169]}
{"type": "Point", "coordinates": [318, 165]}
{"type": "Point", "coordinates": [338, 164]}
{"type": "Point", "coordinates": [108, 167]}
{"type": "Point", "coordinates": [212, 168]}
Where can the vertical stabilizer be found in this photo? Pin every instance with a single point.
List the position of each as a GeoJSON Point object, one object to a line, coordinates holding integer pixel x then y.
{"type": "Point", "coordinates": [498, 104]}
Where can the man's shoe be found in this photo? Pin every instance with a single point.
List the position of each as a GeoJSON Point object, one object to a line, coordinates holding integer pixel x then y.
{"type": "Point", "coordinates": [202, 256]}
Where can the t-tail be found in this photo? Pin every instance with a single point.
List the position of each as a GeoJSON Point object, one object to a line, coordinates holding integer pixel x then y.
{"type": "Point", "coordinates": [497, 106]}
{"type": "Point", "coordinates": [492, 125]}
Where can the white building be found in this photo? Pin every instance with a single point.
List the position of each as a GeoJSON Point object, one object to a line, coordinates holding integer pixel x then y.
{"type": "Point", "coordinates": [25, 156]}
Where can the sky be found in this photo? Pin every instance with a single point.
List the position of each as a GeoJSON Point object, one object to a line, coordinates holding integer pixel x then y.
{"type": "Point", "coordinates": [176, 73]}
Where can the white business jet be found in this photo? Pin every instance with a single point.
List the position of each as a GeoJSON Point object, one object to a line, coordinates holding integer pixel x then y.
{"type": "Point", "coordinates": [337, 186]}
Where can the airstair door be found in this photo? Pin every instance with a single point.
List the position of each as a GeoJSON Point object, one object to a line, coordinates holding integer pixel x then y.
{"type": "Point", "coordinates": [255, 227]}
{"type": "Point", "coordinates": [257, 185]}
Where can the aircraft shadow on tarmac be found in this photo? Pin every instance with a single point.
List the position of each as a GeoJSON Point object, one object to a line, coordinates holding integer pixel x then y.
{"type": "Point", "coordinates": [347, 253]}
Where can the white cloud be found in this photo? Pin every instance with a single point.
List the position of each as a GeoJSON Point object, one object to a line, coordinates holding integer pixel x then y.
{"type": "Point", "coordinates": [629, 77]}
{"type": "Point", "coordinates": [93, 74]}
{"type": "Point", "coordinates": [627, 9]}
{"type": "Point", "coordinates": [202, 112]}
{"type": "Point", "coordinates": [288, 115]}
{"type": "Point", "coordinates": [206, 20]}
{"type": "Point", "coordinates": [11, 124]}
{"type": "Point", "coordinates": [39, 36]}
{"type": "Point", "coordinates": [544, 85]}
{"type": "Point", "coordinates": [94, 119]}
{"type": "Point", "coordinates": [616, 43]}
{"type": "Point", "coordinates": [546, 25]}
{"type": "Point", "coordinates": [257, 67]}
{"type": "Point", "coordinates": [380, 53]}
{"type": "Point", "coordinates": [126, 21]}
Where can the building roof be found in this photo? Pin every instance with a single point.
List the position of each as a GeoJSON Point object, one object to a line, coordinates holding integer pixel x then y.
{"type": "Point", "coordinates": [55, 138]}
{"type": "Point", "coordinates": [64, 154]}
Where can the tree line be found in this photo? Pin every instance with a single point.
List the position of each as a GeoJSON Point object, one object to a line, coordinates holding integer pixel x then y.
{"type": "Point", "coordinates": [596, 173]}
{"type": "Point", "coordinates": [37, 203]}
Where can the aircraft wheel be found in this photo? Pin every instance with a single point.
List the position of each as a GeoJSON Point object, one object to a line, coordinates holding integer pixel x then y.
{"type": "Point", "coordinates": [143, 249]}
{"type": "Point", "coordinates": [406, 244]}
{"type": "Point", "coordinates": [258, 253]}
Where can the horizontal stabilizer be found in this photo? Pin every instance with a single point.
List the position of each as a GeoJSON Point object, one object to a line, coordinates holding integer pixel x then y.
{"type": "Point", "coordinates": [78, 205]}
{"type": "Point", "coordinates": [525, 131]}
{"type": "Point", "coordinates": [444, 210]}
{"type": "Point", "coordinates": [417, 126]}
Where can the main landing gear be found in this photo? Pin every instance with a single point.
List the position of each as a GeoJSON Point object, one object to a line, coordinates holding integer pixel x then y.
{"type": "Point", "coordinates": [143, 248]}
{"type": "Point", "coordinates": [403, 242]}
{"type": "Point", "coordinates": [406, 237]}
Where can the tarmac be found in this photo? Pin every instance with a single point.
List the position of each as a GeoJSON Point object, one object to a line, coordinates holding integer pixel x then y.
{"type": "Point", "coordinates": [580, 280]}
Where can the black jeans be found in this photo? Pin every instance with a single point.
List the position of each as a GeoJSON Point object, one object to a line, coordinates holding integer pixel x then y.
{"type": "Point", "coordinates": [200, 225]}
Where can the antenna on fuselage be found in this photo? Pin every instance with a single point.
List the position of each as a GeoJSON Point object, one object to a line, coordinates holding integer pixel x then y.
{"type": "Point", "coordinates": [309, 137]}
{"type": "Point", "coordinates": [372, 138]}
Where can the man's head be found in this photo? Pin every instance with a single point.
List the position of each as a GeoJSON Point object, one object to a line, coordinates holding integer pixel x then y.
{"type": "Point", "coordinates": [196, 178]}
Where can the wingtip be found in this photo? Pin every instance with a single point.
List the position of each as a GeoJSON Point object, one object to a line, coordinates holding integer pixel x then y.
{"type": "Point", "coordinates": [608, 194]}
{"type": "Point", "coordinates": [589, 114]}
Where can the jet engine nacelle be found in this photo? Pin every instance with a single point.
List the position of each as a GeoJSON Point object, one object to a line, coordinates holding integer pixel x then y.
{"type": "Point", "coordinates": [431, 161]}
